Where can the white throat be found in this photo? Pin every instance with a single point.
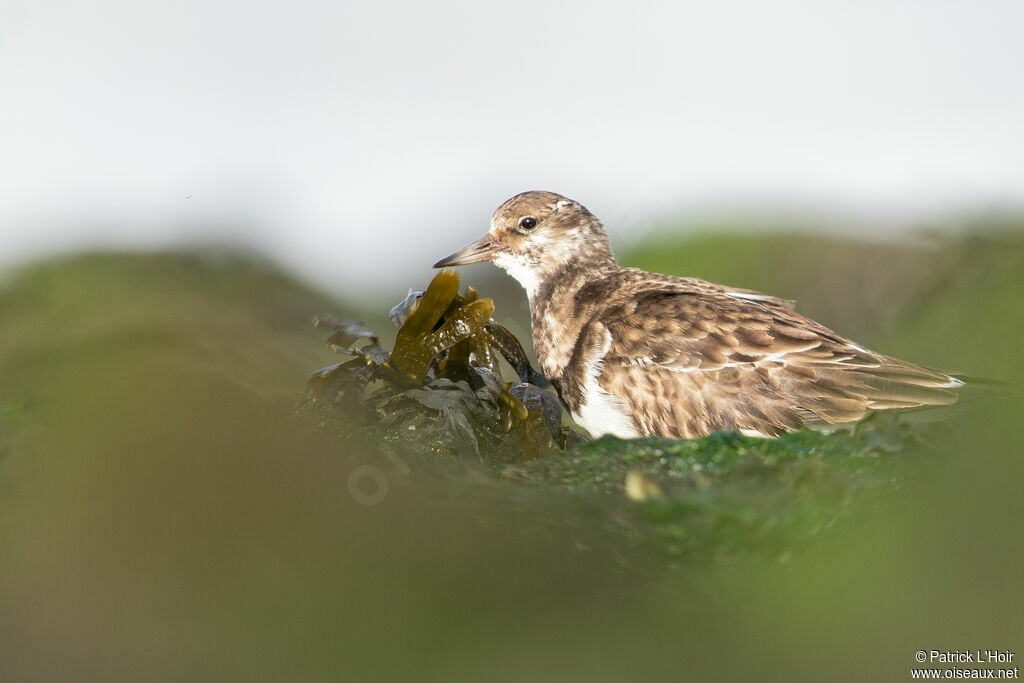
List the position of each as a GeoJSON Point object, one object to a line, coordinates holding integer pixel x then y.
{"type": "Point", "coordinates": [516, 266]}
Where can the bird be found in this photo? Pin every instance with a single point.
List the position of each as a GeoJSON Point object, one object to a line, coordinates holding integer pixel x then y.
{"type": "Point", "coordinates": [637, 354]}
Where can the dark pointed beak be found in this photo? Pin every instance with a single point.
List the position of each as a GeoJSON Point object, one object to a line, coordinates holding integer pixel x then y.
{"type": "Point", "coordinates": [484, 249]}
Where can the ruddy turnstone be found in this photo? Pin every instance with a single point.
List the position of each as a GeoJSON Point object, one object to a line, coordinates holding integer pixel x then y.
{"type": "Point", "coordinates": [635, 353]}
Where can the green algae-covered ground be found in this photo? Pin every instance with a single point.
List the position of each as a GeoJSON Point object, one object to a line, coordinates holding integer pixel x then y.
{"type": "Point", "coordinates": [172, 508]}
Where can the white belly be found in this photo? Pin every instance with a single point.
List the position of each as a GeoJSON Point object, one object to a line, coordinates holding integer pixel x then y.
{"type": "Point", "coordinates": [600, 412]}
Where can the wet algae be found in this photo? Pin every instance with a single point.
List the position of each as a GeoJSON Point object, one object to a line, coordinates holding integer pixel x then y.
{"type": "Point", "coordinates": [443, 383]}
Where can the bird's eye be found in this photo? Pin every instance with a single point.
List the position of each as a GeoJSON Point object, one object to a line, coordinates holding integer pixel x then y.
{"type": "Point", "coordinates": [528, 223]}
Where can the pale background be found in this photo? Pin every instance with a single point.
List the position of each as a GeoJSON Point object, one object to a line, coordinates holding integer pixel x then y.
{"type": "Point", "coordinates": [368, 139]}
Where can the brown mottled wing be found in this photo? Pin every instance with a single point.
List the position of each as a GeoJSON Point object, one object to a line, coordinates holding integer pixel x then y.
{"type": "Point", "coordinates": [641, 279]}
{"type": "Point", "coordinates": [688, 364]}
{"type": "Point", "coordinates": [696, 285]}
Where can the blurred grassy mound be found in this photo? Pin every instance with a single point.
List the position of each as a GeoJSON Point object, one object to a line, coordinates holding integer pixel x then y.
{"type": "Point", "coordinates": [165, 514]}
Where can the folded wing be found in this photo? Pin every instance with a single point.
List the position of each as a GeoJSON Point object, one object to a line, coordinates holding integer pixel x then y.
{"type": "Point", "coordinates": [690, 363]}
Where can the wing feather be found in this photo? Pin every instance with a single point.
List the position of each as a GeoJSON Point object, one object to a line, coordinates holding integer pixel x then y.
{"type": "Point", "coordinates": [710, 360]}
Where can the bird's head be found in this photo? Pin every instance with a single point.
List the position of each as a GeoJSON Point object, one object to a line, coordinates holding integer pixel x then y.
{"type": "Point", "coordinates": [535, 235]}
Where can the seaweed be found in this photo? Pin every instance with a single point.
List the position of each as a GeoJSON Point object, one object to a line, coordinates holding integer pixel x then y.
{"type": "Point", "coordinates": [443, 382]}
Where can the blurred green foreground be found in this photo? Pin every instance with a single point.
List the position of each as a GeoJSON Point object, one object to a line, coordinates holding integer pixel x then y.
{"type": "Point", "coordinates": [167, 513]}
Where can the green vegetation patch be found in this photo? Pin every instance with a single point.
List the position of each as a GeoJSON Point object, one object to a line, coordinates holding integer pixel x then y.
{"type": "Point", "coordinates": [727, 494]}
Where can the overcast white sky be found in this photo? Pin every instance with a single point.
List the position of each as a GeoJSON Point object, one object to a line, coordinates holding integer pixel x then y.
{"type": "Point", "coordinates": [352, 138]}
